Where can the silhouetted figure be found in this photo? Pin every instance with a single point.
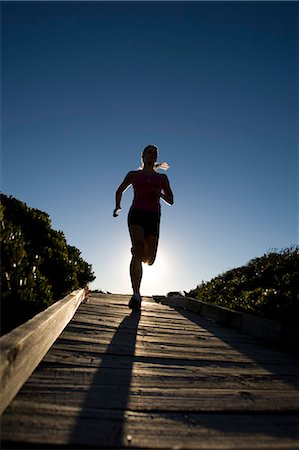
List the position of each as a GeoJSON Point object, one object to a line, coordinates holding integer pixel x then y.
{"type": "Point", "coordinates": [144, 214]}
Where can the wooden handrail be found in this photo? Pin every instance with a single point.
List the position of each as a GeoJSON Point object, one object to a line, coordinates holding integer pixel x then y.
{"type": "Point", "coordinates": [23, 348]}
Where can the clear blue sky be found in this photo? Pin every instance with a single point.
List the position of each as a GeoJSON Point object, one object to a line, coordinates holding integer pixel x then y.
{"type": "Point", "coordinates": [87, 85]}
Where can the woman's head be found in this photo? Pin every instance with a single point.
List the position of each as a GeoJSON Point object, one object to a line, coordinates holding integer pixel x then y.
{"type": "Point", "coordinates": [149, 157]}
{"type": "Point", "coordinates": [150, 152]}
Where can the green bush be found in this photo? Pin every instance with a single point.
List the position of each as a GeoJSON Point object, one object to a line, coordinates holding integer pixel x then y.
{"type": "Point", "coordinates": [38, 267]}
{"type": "Point", "coordinates": [267, 286]}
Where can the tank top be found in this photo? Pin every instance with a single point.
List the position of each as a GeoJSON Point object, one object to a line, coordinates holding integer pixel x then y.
{"type": "Point", "coordinates": [144, 197]}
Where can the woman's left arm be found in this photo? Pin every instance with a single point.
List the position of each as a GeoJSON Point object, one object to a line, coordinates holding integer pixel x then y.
{"type": "Point", "coordinates": [166, 194]}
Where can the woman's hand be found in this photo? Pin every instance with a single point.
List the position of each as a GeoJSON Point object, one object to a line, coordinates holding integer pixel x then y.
{"type": "Point", "coordinates": [116, 212]}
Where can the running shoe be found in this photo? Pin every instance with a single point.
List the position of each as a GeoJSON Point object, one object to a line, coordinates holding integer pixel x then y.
{"type": "Point", "coordinates": [135, 302]}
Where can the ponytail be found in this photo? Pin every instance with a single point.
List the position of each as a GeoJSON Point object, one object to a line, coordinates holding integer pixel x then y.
{"type": "Point", "coordinates": [163, 166]}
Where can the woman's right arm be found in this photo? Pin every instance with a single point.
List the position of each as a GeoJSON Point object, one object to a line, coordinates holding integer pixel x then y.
{"type": "Point", "coordinates": [122, 187]}
{"type": "Point", "coordinates": [167, 194]}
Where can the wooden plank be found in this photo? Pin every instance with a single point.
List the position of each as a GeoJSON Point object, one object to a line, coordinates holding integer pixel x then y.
{"type": "Point", "coordinates": [146, 376]}
{"type": "Point", "coordinates": [144, 398]}
{"type": "Point", "coordinates": [108, 428]}
{"type": "Point", "coordinates": [22, 349]}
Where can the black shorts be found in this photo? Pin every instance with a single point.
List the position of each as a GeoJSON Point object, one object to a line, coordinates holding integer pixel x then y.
{"type": "Point", "coordinates": [148, 220]}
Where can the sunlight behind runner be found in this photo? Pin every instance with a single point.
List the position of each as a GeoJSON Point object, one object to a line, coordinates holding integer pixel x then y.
{"type": "Point", "coordinates": [153, 276]}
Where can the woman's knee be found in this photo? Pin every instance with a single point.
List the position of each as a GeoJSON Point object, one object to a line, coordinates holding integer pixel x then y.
{"type": "Point", "coordinates": [137, 249]}
{"type": "Point", "coordinates": [151, 246]}
{"type": "Point", "coordinates": [151, 261]}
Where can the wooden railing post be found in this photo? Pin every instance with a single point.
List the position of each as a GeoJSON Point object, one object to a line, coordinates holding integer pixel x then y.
{"type": "Point", "coordinates": [23, 348]}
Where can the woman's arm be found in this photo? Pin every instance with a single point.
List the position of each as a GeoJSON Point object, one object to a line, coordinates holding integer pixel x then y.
{"type": "Point", "coordinates": [122, 187]}
{"type": "Point", "coordinates": [166, 193]}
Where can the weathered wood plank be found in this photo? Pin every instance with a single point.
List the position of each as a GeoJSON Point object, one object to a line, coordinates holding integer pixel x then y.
{"type": "Point", "coordinates": [158, 376]}
{"type": "Point", "coordinates": [145, 348]}
{"type": "Point", "coordinates": [143, 398]}
{"type": "Point", "coordinates": [108, 428]}
{"type": "Point", "coordinates": [22, 349]}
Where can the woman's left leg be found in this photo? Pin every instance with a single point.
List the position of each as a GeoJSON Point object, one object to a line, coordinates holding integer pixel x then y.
{"type": "Point", "coordinates": [151, 238]}
{"type": "Point", "coordinates": [150, 249]}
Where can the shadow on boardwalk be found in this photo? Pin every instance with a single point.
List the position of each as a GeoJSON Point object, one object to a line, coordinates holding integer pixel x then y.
{"type": "Point", "coordinates": [102, 414]}
{"type": "Point", "coordinates": [282, 364]}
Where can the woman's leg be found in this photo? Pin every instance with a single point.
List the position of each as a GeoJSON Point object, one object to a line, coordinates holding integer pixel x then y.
{"type": "Point", "coordinates": [150, 249]}
{"type": "Point", "coordinates": [137, 238]}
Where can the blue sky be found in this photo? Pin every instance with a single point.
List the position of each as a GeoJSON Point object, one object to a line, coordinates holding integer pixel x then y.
{"type": "Point", "coordinates": [87, 85]}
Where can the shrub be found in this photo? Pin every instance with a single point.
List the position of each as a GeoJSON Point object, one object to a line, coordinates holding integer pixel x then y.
{"type": "Point", "coordinates": [38, 267]}
{"type": "Point", "coordinates": [267, 286]}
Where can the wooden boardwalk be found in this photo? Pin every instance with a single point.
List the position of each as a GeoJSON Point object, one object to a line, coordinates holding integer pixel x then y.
{"type": "Point", "coordinates": [164, 379]}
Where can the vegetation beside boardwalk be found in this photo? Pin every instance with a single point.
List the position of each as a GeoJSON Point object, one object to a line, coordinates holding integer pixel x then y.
{"type": "Point", "coordinates": [38, 267]}
{"type": "Point", "coordinates": [267, 287]}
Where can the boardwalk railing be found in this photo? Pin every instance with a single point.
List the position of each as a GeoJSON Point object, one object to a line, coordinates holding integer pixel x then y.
{"type": "Point", "coordinates": [266, 329]}
{"type": "Point", "coordinates": [22, 349]}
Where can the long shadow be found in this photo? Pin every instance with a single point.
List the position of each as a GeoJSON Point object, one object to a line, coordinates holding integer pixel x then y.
{"type": "Point", "coordinates": [282, 364]}
{"type": "Point", "coordinates": [100, 422]}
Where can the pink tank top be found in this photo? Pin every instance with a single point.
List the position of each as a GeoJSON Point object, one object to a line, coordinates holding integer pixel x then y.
{"type": "Point", "coordinates": [146, 191]}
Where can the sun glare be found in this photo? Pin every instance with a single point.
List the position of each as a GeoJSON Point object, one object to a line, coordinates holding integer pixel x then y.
{"type": "Point", "coordinates": [155, 279]}
{"type": "Point", "coordinates": [153, 276]}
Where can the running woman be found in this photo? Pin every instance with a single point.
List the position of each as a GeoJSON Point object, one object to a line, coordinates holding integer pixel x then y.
{"type": "Point", "coordinates": [144, 215]}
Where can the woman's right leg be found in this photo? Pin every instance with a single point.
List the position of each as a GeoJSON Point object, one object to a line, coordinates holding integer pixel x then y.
{"type": "Point", "coordinates": [137, 238]}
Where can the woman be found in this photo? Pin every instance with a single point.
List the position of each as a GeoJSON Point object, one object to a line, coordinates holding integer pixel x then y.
{"type": "Point", "coordinates": [144, 215]}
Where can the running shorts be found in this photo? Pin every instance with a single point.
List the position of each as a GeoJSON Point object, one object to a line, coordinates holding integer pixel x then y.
{"type": "Point", "coordinates": [148, 220]}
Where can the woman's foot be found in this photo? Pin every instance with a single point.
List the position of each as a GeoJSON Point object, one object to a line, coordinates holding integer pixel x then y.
{"type": "Point", "coordinates": [135, 302]}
